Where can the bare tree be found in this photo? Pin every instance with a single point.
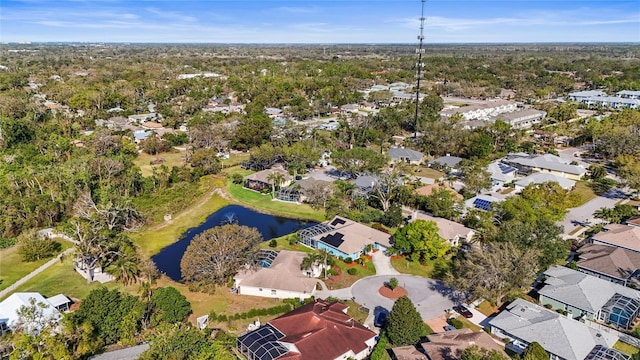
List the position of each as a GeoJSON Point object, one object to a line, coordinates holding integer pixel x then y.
{"type": "Point", "coordinates": [319, 192]}
{"type": "Point", "coordinates": [385, 186]}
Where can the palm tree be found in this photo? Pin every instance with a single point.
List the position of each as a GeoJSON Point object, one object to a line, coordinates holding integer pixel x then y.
{"type": "Point", "coordinates": [125, 267]}
{"type": "Point", "coordinates": [276, 179]}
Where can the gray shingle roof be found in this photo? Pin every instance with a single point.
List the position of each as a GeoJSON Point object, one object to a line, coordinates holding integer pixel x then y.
{"type": "Point", "coordinates": [450, 161]}
{"type": "Point", "coordinates": [550, 162]}
{"type": "Point", "coordinates": [580, 290]}
{"type": "Point", "coordinates": [566, 338]}
{"type": "Point", "coordinates": [540, 178]}
{"type": "Point", "coordinates": [402, 153]}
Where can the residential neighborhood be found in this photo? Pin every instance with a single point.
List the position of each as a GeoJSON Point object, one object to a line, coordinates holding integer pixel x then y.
{"type": "Point", "coordinates": [222, 200]}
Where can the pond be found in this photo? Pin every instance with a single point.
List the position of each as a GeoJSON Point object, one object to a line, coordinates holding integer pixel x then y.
{"type": "Point", "coordinates": [270, 226]}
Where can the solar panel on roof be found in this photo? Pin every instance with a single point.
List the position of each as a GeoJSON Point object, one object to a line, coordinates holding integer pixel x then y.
{"type": "Point", "coordinates": [505, 169]}
{"type": "Point", "coordinates": [482, 204]}
{"type": "Point", "coordinates": [338, 221]}
{"type": "Point", "coordinates": [334, 239]}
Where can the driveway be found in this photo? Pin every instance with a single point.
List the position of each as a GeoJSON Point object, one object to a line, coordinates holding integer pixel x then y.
{"type": "Point", "coordinates": [382, 264]}
{"type": "Point", "coordinates": [584, 214]}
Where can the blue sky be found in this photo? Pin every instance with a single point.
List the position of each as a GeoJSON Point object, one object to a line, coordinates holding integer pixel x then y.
{"type": "Point", "coordinates": [321, 21]}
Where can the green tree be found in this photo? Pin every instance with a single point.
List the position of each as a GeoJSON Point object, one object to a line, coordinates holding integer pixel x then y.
{"type": "Point", "coordinates": [618, 214]}
{"type": "Point", "coordinates": [33, 246]}
{"type": "Point", "coordinates": [184, 342]}
{"type": "Point", "coordinates": [597, 171]}
{"type": "Point", "coordinates": [535, 351]}
{"type": "Point", "coordinates": [218, 253]}
{"type": "Point", "coordinates": [253, 131]}
{"type": "Point", "coordinates": [420, 240]}
{"type": "Point", "coordinates": [168, 305]}
{"type": "Point", "coordinates": [629, 170]}
{"type": "Point", "coordinates": [404, 325]}
{"type": "Point", "coordinates": [359, 160]}
{"type": "Point", "coordinates": [206, 161]}
{"type": "Point", "coordinates": [476, 178]}
{"type": "Point", "coordinates": [442, 203]}
{"type": "Point", "coordinates": [494, 271]}
{"type": "Point", "coordinates": [276, 179]}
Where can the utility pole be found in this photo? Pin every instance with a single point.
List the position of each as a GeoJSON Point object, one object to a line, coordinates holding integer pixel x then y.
{"type": "Point", "coordinates": [419, 65]}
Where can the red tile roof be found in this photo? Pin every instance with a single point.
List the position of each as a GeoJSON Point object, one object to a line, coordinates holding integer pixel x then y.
{"type": "Point", "coordinates": [321, 331]}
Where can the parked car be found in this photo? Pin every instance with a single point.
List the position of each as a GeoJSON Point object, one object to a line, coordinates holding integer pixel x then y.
{"type": "Point", "coordinates": [460, 309]}
{"type": "Point", "coordinates": [380, 319]}
{"type": "Point", "coordinates": [450, 328]}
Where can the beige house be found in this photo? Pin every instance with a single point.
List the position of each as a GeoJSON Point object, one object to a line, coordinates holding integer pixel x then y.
{"type": "Point", "coordinates": [622, 236]}
{"type": "Point", "coordinates": [283, 279]}
{"type": "Point", "coordinates": [453, 232]}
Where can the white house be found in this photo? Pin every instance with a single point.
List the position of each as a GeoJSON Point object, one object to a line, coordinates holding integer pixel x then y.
{"type": "Point", "coordinates": [50, 313]}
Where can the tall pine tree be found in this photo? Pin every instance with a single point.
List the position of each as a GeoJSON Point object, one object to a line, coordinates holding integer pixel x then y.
{"type": "Point", "coordinates": [404, 325]}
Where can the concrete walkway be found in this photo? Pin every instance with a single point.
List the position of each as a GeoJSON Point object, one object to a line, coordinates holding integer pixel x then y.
{"type": "Point", "coordinates": [35, 272]}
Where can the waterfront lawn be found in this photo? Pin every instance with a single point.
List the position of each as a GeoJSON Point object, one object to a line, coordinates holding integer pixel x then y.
{"type": "Point", "coordinates": [283, 244]}
{"type": "Point", "coordinates": [264, 203]}
{"type": "Point", "coordinates": [12, 268]}
{"type": "Point", "coordinates": [155, 238]}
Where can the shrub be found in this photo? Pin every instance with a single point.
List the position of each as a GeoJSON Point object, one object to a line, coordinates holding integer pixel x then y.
{"type": "Point", "coordinates": [294, 239]}
{"type": "Point", "coordinates": [332, 272]}
{"type": "Point", "coordinates": [393, 283]}
{"type": "Point", "coordinates": [348, 260]}
{"type": "Point", "coordinates": [273, 243]}
{"type": "Point", "coordinates": [7, 242]}
{"type": "Point", "coordinates": [379, 227]}
{"type": "Point", "coordinates": [34, 247]}
{"type": "Point", "coordinates": [237, 178]}
{"type": "Point", "coordinates": [487, 329]}
{"type": "Point", "coordinates": [352, 271]}
{"type": "Point", "coordinates": [456, 323]}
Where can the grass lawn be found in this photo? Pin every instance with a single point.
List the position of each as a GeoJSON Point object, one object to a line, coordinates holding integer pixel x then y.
{"type": "Point", "coordinates": [586, 193]}
{"type": "Point", "coordinates": [153, 239]}
{"type": "Point", "coordinates": [405, 266]}
{"type": "Point", "coordinates": [429, 172]}
{"type": "Point", "coordinates": [283, 244]}
{"type": "Point", "coordinates": [355, 313]}
{"type": "Point", "coordinates": [574, 231]}
{"type": "Point", "coordinates": [62, 278]}
{"type": "Point", "coordinates": [264, 203]}
{"type": "Point", "coordinates": [174, 158]}
{"type": "Point", "coordinates": [468, 324]}
{"type": "Point", "coordinates": [626, 348]}
{"type": "Point", "coordinates": [12, 268]}
{"type": "Point", "coordinates": [235, 160]}
{"type": "Point", "coordinates": [486, 308]}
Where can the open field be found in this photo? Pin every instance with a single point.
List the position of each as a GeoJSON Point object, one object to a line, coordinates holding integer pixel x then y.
{"type": "Point", "coordinates": [586, 193]}
{"type": "Point", "coordinates": [62, 278]}
{"type": "Point", "coordinates": [173, 158]}
{"type": "Point", "coordinates": [264, 203]}
{"type": "Point", "coordinates": [12, 268]}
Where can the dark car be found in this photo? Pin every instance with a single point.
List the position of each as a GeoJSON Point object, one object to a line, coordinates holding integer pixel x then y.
{"type": "Point", "coordinates": [463, 311]}
{"type": "Point", "coordinates": [380, 319]}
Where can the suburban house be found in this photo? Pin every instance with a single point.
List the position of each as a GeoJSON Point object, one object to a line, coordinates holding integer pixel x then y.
{"type": "Point", "coordinates": [278, 276]}
{"type": "Point", "coordinates": [262, 179]}
{"type": "Point", "coordinates": [453, 232]}
{"type": "Point", "coordinates": [431, 188]}
{"type": "Point", "coordinates": [623, 99]}
{"type": "Point", "coordinates": [344, 238]}
{"type": "Point", "coordinates": [450, 344]}
{"type": "Point", "coordinates": [51, 310]}
{"type": "Point", "coordinates": [364, 185]}
{"type": "Point", "coordinates": [482, 202]}
{"type": "Point", "coordinates": [585, 296]}
{"type": "Point", "coordinates": [404, 155]}
{"type": "Point", "coordinates": [446, 161]}
{"type": "Point", "coordinates": [298, 190]}
{"type": "Point", "coordinates": [622, 236]}
{"type": "Point", "coordinates": [630, 94]}
{"type": "Point", "coordinates": [581, 96]}
{"type": "Point", "coordinates": [319, 330]}
{"type": "Point", "coordinates": [611, 263]}
{"type": "Point", "coordinates": [543, 177]}
{"type": "Point", "coordinates": [547, 163]}
{"type": "Point", "coordinates": [501, 174]}
{"type": "Point", "coordinates": [523, 322]}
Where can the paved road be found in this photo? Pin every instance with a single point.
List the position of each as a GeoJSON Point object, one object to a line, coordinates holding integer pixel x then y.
{"type": "Point", "coordinates": [584, 213]}
{"type": "Point", "coordinates": [429, 296]}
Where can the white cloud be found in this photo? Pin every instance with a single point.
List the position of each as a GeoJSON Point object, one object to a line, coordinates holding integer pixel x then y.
{"type": "Point", "coordinates": [171, 15]}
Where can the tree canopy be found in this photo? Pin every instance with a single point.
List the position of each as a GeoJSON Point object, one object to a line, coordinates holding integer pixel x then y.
{"type": "Point", "coordinates": [404, 325]}
{"type": "Point", "coordinates": [420, 240]}
{"type": "Point", "coordinates": [218, 253]}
